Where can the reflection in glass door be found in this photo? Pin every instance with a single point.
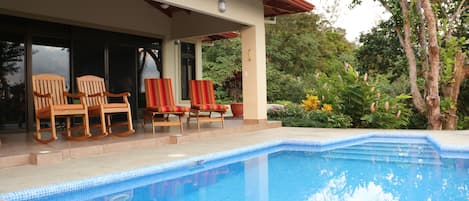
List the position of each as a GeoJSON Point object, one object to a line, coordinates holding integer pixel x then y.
{"type": "Point", "coordinates": [12, 85]}
{"type": "Point", "coordinates": [51, 56]}
{"type": "Point", "coordinates": [122, 61]}
{"type": "Point", "coordinates": [148, 67]}
{"type": "Point", "coordinates": [88, 58]}
{"type": "Point", "coordinates": [187, 68]}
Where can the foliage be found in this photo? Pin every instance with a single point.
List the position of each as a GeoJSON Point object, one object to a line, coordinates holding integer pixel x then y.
{"type": "Point", "coordinates": [390, 114]}
{"type": "Point", "coordinates": [381, 52]}
{"type": "Point", "coordinates": [302, 43]}
{"type": "Point", "coordinates": [463, 123]}
{"type": "Point", "coordinates": [305, 56]}
{"type": "Point", "coordinates": [362, 98]}
{"type": "Point", "coordinates": [296, 47]}
{"type": "Point", "coordinates": [293, 115]}
{"type": "Point", "coordinates": [11, 94]}
{"type": "Point", "coordinates": [234, 86]}
{"type": "Point", "coordinates": [221, 60]}
{"type": "Point", "coordinates": [283, 86]}
{"type": "Point", "coordinates": [430, 52]}
{"type": "Point", "coordinates": [311, 103]}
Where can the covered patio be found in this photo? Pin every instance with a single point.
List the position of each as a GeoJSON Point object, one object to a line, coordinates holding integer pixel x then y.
{"type": "Point", "coordinates": [21, 149]}
{"type": "Point", "coordinates": [125, 42]}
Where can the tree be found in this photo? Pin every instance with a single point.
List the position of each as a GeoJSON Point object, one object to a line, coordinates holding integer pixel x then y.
{"type": "Point", "coordinates": [11, 53]}
{"type": "Point", "coordinates": [297, 47]}
{"type": "Point", "coordinates": [381, 52]}
{"type": "Point", "coordinates": [221, 60]}
{"type": "Point", "coordinates": [424, 29]}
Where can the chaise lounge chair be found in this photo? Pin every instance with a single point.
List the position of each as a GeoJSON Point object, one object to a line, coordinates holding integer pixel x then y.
{"type": "Point", "coordinates": [50, 102]}
{"type": "Point", "coordinates": [160, 102]}
{"type": "Point", "coordinates": [98, 105]}
{"type": "Point", "coordinates": [203, 101]}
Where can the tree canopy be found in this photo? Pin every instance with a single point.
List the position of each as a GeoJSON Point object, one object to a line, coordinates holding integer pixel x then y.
{"type": "Point", "coordinates": [415, 61]}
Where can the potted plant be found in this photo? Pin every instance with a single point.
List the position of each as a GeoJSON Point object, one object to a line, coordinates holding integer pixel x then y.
{"type": "Point", "coordinates": [233, 85]}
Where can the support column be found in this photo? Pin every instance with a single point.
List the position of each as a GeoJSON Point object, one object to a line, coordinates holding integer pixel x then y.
{"type": "Point", "coordinates": [198, 60]}
{"type": "Point", "coordinates": [171, 64]}
{"type": "Point", "coordinates": [254, 74]}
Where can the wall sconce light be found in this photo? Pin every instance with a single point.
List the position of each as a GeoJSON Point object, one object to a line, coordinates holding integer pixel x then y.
{"type": "Point", "coordinates": [221, 6]}
{"type": "Point", "coordinates": [164, 6]}
{"type": "Point", "coordinates": [177, 42]}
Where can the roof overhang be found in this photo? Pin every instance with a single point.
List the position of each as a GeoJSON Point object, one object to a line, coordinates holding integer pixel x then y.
{"type": "Point", "coordinates": [271, 8]}
{"type": "Point", "coordinates": [283, 7]}
{"type": "Point", "coordinates": [220, 36]}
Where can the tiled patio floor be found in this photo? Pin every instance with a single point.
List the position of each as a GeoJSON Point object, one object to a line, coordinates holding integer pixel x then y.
{"type": "Point", "coordinates": [27, 176]}
{"type": "Point", "coordinates": [21, 149]}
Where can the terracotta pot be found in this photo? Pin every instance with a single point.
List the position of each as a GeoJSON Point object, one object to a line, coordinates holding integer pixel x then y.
{"type": "Point", "coordinates": [237, 109]}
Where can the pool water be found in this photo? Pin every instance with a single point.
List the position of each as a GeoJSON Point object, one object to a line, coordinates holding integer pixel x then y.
{"type": "Point", "coordinates": [373, 170]}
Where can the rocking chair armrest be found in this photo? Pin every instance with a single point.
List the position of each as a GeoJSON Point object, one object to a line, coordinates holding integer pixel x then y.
{"type": "Point", "coordinates": [42, 95]}
{"type": "Point", "coordinates": [96, 95]}
{"type": "Point", "coordinates": [124, 94]}
{"type": "Point", "coordinates": [76, 95]}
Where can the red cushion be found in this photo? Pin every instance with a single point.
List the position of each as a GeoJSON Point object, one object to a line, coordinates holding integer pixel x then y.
{"type": "Point", "coordinates": [168, 108]}
{"type": "Point", "coordinates": [159, 92]}
{"type": "Point", "coordinates": [201, 92]}
{"type": "Point", "coordinates": [210, 107]}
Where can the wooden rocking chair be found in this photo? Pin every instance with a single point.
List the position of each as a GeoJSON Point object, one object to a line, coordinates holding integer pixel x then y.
{"type": "Point", "coordinates": [98, 105]}
{"type": "Point", "coordinates": [203, 100]}
{"type": "Point", "coordinates": [50, 102]}
{"type": "Point", "coordinates": [160, 101]}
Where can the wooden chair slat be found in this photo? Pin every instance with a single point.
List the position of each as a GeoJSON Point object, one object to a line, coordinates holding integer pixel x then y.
{"type": "Point", "coordinates": [54, 85]}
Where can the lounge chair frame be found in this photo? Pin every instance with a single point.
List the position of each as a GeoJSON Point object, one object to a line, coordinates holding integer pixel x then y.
{"type": "Point", "coordinates": [160, 104]}
{"type": "Point", "coordinates": [203, 101]}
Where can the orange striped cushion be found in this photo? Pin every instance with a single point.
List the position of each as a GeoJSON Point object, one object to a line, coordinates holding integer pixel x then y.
{"type": "Point", "coordinates": [169, 109]}
{"type": "Point", "coordinates": [209, 107]}
{"type": "Point", "coordinates": [201, 92]}
{"type": "Point", "coordinates": [158, 92]}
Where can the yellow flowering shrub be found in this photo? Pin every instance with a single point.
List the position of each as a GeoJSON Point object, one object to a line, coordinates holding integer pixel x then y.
{"type": "Point", "coordinates": [311, 103]}
{"type": "Point", "coordinates": [326, 107]}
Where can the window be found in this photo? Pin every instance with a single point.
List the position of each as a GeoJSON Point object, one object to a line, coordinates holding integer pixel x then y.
{"type": "Point", "coordinates": [122, 76]}
{"type": "Point", "coordinates": [51, 56]}
{"type": "Point", "coordinates": [123, 60]}
{"type": "Point", "coordinates": [149, 66]}
{"type": "Point", "coordinates": [187, 68]}
{"type": "Point", "coordinates": [88, 58]}
{"type": "Point", "coordinates": [12, 85]}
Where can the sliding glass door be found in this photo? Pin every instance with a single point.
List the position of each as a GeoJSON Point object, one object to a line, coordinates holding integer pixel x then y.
{"type": "Point", "coordinates": [12, 84]}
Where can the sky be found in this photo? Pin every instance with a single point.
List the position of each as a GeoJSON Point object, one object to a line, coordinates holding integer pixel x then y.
{"type": "Point", "coordinates": [359, 19]}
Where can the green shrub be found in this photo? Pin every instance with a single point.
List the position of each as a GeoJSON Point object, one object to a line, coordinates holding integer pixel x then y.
{"type": "Point", "coordinates": [281, 86]}
{"type": "Point", "coordinates": [294, 115]}
{"type": "Point", "coordinates": [463, 123]}
{"type": "Point", "coordinates": [361, 97]}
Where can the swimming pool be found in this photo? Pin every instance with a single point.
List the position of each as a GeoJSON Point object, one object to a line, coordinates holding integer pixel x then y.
{"type": "Point", "coordinates": [370, 167]}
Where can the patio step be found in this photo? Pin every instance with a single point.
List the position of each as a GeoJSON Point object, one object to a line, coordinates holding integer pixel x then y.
{"type": "Point", "coordinates": [14, 160]}
{"type": "Point", "coordinates": [387, 159]}
{"type": "Point", "coordinates": [34, 154]}
{"type": "Point", "coordinates": [400, 154]}
{"type": "Point", "coordinates": [401, 145]}
{"type": "Point", "coordinates": [387, 152]}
